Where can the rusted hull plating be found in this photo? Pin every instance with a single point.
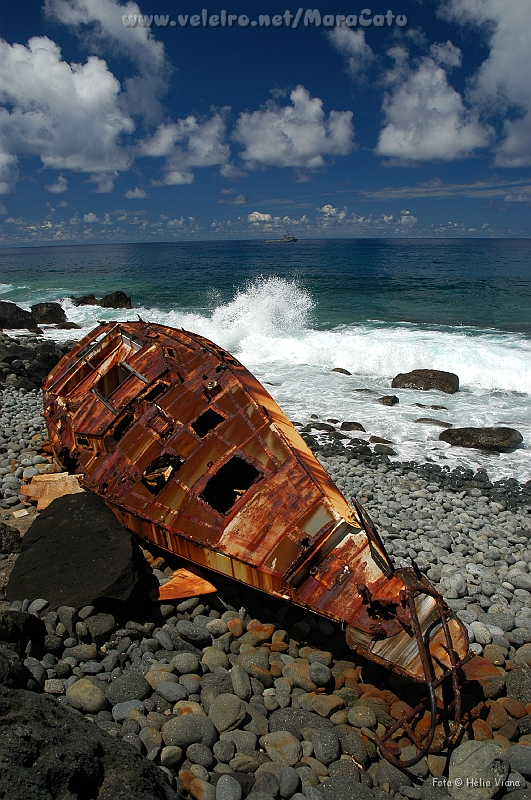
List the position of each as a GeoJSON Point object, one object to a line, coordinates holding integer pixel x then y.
{"type": "Point", "coordinates": [193, 454]}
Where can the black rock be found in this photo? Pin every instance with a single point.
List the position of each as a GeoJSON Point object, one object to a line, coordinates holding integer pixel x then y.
{"type": "Point", "coordinates": [49, 751]}
{"type": "Point", "coordinates": [10, 539]}
{"type": "Point", "coordinates": [17, 628]}
{"type": "Point", "coordinates": [48, 313]}
{"type": "Point", "coordinates": [295, 719]}
{"type": "Point", "coordinates": [351, 426]}
{"type": "Point", "coordinates": [129, 686]}
{"type": "Point", "coordinates": [342, 371]}
{"type": "Point", "coordinates": [389, 400]}
{"type": "Point", "coordinates": [112, 300]}
{"type": "Point", "coordinates": [498, 439]}
{"type": "Point", "coordinates": [426, 379]}
{"type": "Point", "coordinates": [115, 300]}
{"type": "Point", "coordinates": [13, 673]}
{"type": "Point", "coordinates": [76, 554]}
{"type": "Point", "coordinates": [11, 316]}
{"type": "Point", "coordinates": [332, 788]}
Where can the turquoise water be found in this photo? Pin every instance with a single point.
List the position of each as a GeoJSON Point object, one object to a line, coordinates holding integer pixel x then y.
{"type": "Point", "coordinates": [292, 312]}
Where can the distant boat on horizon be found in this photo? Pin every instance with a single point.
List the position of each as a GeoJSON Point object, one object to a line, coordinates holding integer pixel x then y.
{"type": "Point", "coordinates": [286, 238]}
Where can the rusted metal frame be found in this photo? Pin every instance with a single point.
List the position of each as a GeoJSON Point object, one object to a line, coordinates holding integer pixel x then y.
{"type": "Point", "coordinates": [373, 536]}
{"type": "Point", "coordinates": [424, 742]}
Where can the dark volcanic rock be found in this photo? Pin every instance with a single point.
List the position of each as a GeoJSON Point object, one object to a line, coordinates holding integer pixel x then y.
{"type": "Point", "coordinates": [85, 300]}
{"type": "Point", "coordinates": [351, 426]}
{"type": "Point", "coordinates": [115, 300]}
{"type": "Point", "coordinates": [17, 628]}
{"type": "Point", "coordinates": [388, 400]}
{"type": "Point", "coordinates": [77, 554]}
{"type": "Point", "coordinates": [342, 371]}
{"type": "Point", "coordinates": [499, 439]}
{"type": "Point", "coordinates": [48, 313]}
{"type": "Point", "coordinates": [49, 751]}
{"type": "Point", "coordinates": [430, 421]}
{"type": "Point", "coordinates": [112, 300]}
{"type": "Point", "coordinates": [13, 673]}
{"type": "Point", "coordinates": [11, 316]}
{"type": "Point", "coordinates": [427, 379]}
{"type": "Point", "coordinates": [10, 539]}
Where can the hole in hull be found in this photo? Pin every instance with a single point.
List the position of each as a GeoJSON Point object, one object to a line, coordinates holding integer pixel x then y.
{"type": "Point", "coordinates": [229, 483]}
{"type": "Point", "coordinates": [159, 472]}
{"type": "Point", "coordinates": [206, 422]}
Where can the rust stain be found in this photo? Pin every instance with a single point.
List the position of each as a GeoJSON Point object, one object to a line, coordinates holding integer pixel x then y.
{"type": "Point", "coordinates": [193, 454]}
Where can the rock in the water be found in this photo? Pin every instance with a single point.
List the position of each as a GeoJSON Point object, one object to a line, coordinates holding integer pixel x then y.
{"type": "Point", "coordinates": [115, 300]}
{"type": "Point", "coordinates": [48, 313]}
{"type": "Point", "coordinates": [389, 400]}
{"type": "Point", "coordinates": [498, 439]}
{"type": "Point", "coordinates": [341, 370]}
{"type": "Point", "coordinates": [112, 300]}
{"type": "Point", "coordinates": [426, 379]}
{"type": "Point", "coordinates": [351, 426]}
{"type": "Point", "coordinates": [472, 760]}
{"type": "Point", "coordinates": [11, 316]}
{"type": "Point", "coordinates": [76, 553]}
{"type": "Point", "coordinates": [45, 745]}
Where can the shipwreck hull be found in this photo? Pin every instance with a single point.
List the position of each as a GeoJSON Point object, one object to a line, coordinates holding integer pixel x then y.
{"type": "Point", "coordinates": [193, 454]}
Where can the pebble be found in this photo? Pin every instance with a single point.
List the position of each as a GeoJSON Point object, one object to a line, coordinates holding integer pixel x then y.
{"type": "Point", "coordinates": [471, 536]}
{"type": "Point", "coordinates": [86, 697]}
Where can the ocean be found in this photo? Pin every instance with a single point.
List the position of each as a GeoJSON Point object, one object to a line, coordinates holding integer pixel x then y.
{"type": "Point", "coordinates": [292, 312]}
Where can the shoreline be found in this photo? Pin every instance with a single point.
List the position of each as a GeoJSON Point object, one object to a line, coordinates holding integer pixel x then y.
{"type": "Point", "coordinates": [469, 535]}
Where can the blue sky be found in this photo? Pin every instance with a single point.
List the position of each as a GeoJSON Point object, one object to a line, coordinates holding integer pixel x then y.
{"type": "Point", "coordinates": [405, 118]}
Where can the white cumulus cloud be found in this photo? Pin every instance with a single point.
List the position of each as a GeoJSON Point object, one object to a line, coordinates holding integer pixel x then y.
{"type": "Point", "coordinates": [256, 217]}
{"type": "Point", "coordinates": [352, 45]}
{"type": "Point", "coordinates": [99, 23]}
{"type": "Point", "coordinates": [135, 194]}
{"type": "Point", "coordinates": [296, 135]}
{"type": "Point", "coordinates": [502, 84]}
{"type": "Point", "coordinates": [60, 185]}
{"type": "Point", "coordinates": [186, 144]}
{"type": "Point", "coordinates": [425, 117]}
{"type": "Point", "coordinates": [66, 114]}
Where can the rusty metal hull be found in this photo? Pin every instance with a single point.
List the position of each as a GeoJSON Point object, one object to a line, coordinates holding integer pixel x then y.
{"type": "Point", "coordinates": [193, 454]}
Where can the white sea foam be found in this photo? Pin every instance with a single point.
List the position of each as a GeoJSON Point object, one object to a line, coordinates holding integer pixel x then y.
{"type": "Point", "coordinates": [268, 326]}
{"type": "Point", "coordinates": [5, 288]}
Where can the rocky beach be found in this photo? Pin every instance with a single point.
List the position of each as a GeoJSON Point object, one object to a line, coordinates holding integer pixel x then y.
{"type": "Point", "coordinates": [236, 695]}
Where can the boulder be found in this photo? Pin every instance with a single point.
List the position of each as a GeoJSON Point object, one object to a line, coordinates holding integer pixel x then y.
{"type": "Point", "coordinates": [427, 379]}
{"type": "Point", "coordinates": [112, 300]}
{"type": "Point", "coordinates": [13, 673]}
{"type": "Point", "coordinates": [115, 300]}
{"type": "Point", "coordinates": [10, 539]}
{"type": "Point", "coordinates": [48, 313]}
{"type": "Point", "coordinates": [11, 316]}
{"type": "Point", "coordinates": [48, 750]}
{"type": "Point", "coordinates": [351, 426]}
{"type": "Point", "coordinates": [76, 554]}
{"type": "Point", "coordinates": [498, 439]}
{"type": "Point", "coordinates": [18, 628]}
{"type": "Point", "coordinates": [477, 770]}
{"type": "Point", "coordinates": [388, 400]}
